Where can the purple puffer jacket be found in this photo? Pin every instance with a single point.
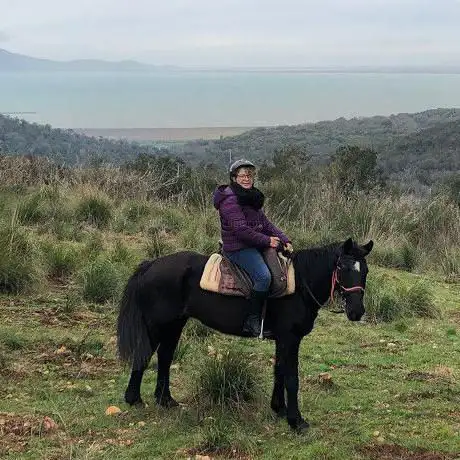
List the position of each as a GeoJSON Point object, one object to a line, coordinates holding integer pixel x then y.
{"type": "Point", "coordinates": [243, 226]}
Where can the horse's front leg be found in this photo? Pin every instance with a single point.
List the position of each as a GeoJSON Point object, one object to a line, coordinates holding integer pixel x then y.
{"type": "Point", "coordinates": [291, 382]}
{"type": "Point", "coordinates": [278, 403]}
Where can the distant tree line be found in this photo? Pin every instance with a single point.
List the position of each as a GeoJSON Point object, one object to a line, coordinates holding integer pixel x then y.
{"type": "Point", "coordinates": [416, 152]}
{"type": "Point", "coordinates": [18, 137]}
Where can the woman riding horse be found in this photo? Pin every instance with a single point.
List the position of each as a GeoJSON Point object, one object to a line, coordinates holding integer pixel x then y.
{"type": "Point", "coordinates": [245, 231]}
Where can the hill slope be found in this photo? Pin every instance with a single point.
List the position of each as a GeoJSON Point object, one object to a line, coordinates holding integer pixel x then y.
{"type": "Point", "coordinates": [419, 148]}
{"type": "Point", "coordinates": [18, 137]}
{"type": "Point", "coordinates": [409, 143]}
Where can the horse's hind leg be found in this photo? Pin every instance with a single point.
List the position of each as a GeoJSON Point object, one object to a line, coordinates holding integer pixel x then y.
{"type": "Point", "coordinates": [170, 336]}
{"type": "Point", "coordinates": [133, 390]}
{"type": "Point", "coordinates": [278, 402]}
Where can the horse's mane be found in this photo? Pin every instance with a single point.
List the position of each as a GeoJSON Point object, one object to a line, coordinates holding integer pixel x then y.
{"type": "Point", "coordinates": [311, 263]}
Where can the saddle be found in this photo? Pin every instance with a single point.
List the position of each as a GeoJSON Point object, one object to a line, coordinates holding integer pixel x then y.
{"type": "Point", "coordinates": [224, 277]}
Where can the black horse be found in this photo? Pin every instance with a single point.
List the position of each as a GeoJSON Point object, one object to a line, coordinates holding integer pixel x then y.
{"type": "Point", "coordinates": [163, 293]}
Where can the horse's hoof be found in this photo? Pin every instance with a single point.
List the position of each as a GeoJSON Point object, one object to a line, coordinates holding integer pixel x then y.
{"type": "Point", "coordinates": [281, 412]}
{"type": "Point", "coordinates": [134, 400]}
{"type": "Point", "coordinates": [167, 403]}
{"type": "Point", "coordinates": [299, 426]}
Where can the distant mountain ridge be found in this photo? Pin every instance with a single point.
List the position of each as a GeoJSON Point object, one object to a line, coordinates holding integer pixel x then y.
{"type": "Point", "coordinates": [13, 62]}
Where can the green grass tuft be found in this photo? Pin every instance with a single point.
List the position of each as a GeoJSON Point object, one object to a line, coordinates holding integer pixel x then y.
{"type": "Point", "coordinates": [94, 210]}
{"type": "Point", "coordinates": [100, 281]}
{"type": "Point", "coordinates": [20, 266]}
{"type": "Point", "coordinates": [228, 379]}
{"type": "Point", "coordinates": [61, 259]}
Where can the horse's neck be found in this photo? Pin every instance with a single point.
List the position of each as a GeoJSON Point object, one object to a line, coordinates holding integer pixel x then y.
{"type": "Point", "coordinates": [316, 273]}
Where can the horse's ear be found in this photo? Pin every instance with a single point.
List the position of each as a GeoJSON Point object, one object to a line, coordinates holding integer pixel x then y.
{"type": "Point", "coordinates": [368, 247]}
{"type": "Point", "coordinates": [348, 246]}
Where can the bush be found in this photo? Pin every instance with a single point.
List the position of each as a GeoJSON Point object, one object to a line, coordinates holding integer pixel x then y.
{"type": "Point", "coordinates": [61, 259]}
{"type": "Point", "coordinates": [95, 211]}
{"type": "Point", "coordinates": [42, 206]}
{"type": "Point", "coordinates": [157, 245]}
{"type": "Point", "coordinates": [32, 210]}
{"type": "Point", "coordinates": [418, 301]}
{"type": "Point", "coordinates": [409, 257]}
{"type": "Point", "coordinates": [94, 246]}
{"type": "Point", "coordinates": [173, 219]}
{"type": "Point", "coordinates": [381, 304]}
{"type": "Point", "coordinates": [20, 267]}
{"type": "Point", "coordinates": [100, 281]}
{"type": "Point", "coordinates": [385, 301]}
{"type": "Point", "coordinates": [134, 210]}
{"type": "Point", "coordinates": [121, 254]}
{"type": "Point", "coordinates": [228, 379]}
{"type": "Point", "coordinates": [404, 257]}
{"type": "Point", "coordinates": [450, 264]}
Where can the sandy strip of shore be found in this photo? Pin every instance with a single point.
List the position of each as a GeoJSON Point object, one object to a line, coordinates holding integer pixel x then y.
{"type": "Point", "coordinates": [164, 134]}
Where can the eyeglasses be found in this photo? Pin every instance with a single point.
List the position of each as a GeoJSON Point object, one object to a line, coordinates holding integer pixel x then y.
{"type": "Point", "coordinates": [246, 176]}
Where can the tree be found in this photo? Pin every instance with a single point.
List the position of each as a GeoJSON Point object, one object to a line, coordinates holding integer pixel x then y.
{"type": "Point", "coordinates": [355, 168]}
{"type": "Point", "coordinates": [289, 161]}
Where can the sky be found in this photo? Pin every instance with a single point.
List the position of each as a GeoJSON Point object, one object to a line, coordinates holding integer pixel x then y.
{"type": "Point", "coordinates": [236, 33]}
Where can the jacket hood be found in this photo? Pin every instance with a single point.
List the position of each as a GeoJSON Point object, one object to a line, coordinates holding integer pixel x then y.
{"type": "Point", "coordinates": [221, 193]}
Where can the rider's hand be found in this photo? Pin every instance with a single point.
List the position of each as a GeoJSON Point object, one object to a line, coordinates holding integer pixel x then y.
{"type": "Point", "coordinates": [289, 247]}
{"type": "Point", "coordinates": [274, 241]}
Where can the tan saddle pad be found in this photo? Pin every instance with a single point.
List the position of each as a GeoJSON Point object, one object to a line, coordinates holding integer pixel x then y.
{"type": "Point", "coordinates": [223, 276]}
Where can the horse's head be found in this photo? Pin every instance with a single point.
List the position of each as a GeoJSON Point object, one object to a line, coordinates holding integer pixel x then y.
{"type": "Point", "coordinates": [350, 277]}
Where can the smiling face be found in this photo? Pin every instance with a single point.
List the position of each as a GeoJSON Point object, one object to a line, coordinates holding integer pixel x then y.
{"type": "Point", "coordinates": [245, 177]}
{"type": "Point", "coordinates": [351, 276]}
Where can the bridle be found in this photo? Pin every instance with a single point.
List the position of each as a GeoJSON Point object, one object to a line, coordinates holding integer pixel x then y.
{"type": "Point", "coordinates": [336, 283]}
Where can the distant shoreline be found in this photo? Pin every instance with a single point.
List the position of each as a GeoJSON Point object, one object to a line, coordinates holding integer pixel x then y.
{"type": "Point", "coordinates": [165, 134]}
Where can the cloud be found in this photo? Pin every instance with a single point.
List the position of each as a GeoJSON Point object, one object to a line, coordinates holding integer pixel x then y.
{"type": "Point", "coordinates": [242, 32]}
{"type": "Point", "coordinates": [3, 37]}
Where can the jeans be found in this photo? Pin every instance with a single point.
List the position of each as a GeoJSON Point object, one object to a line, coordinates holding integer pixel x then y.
{"type": "Point", "coordinates": [251, 261]}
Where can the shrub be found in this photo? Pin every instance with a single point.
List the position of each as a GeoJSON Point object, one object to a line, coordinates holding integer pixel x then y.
{"type": "Point", "coordinates": [100, 281]}
{"type": "Point", "coordinates": [450, 265]}
{"type": "Point", "coordinates": [94, 246]}
{"type": "Point", "coordinates": [61, 259]}
{"type": "Point", "coordinates": [121, 254]}
{"type": "Point", "coordinates": [20, 267]}
{"type": "Point", "coordinates": [385, 301]}
{"type": "Point", "coordinates": [66, 230]}
{"type": "Point", "coordinates": [216, 436]}
{"type": "Point", "coordinates": [418, 300]}
{"type": "Point", "coordinates": [404, 257]}
{"type": "Point", "coordinates": [408, 256]}
{"type": "Point", "coordinates": [135, 210]}
{"type": "Point", "coordinates": [381, 302]}
{"type": "Point", "coordinates": [228, 379]}
{"type": "Point", "coordinates": [41, 206]}
{"type": "Point", "coordinates": [32, 209]}
{"type": "Point", "coordinates": [157, 244]}
{"type": "Point", "coordinates": [95, 211]}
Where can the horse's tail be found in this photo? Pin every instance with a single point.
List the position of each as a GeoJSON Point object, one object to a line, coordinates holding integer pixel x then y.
{"type": "Point", "coordinates": [132, 333]}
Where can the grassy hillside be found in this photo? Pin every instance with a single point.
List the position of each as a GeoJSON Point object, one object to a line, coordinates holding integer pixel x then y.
{"type": "Point", "coordinates": [384, 388]}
